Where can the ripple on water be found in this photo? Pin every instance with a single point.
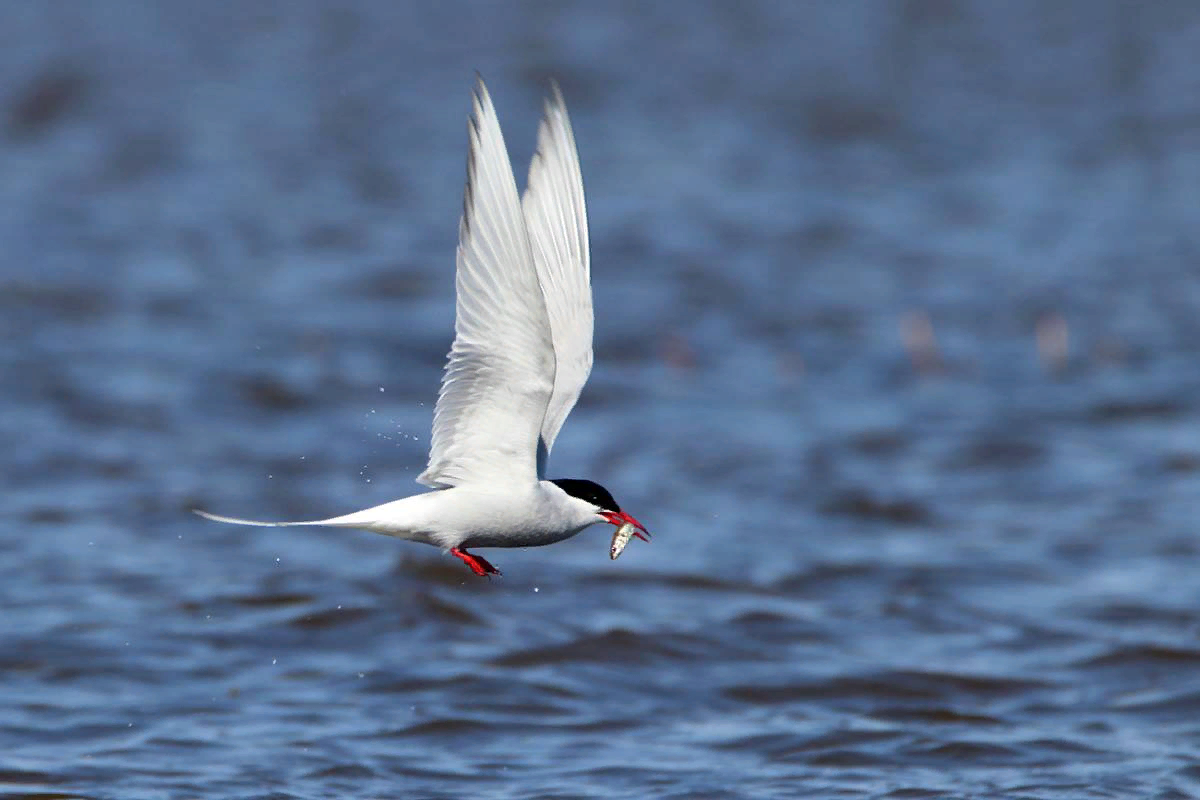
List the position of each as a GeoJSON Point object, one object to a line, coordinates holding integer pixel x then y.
{"type": "Point", "coordinates": [849, 748]}
{"type": "Point", "coordinates": [617, 647]}
{"type": "Point", "coordinates": [1143, 657]}
{"type": "Point", "coordinates": [891, 685]}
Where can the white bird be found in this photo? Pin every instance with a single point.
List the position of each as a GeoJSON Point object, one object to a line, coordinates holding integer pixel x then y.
{"type": "Point", "coordinates": [522, 352]}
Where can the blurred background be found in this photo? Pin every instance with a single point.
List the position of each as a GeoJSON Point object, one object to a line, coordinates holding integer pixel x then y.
{"type": "Point", "coordinates": [896, 354]}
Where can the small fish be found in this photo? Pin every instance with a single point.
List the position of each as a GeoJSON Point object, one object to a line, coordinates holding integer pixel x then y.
{"type": "Point", "coordinates": [621, 538]}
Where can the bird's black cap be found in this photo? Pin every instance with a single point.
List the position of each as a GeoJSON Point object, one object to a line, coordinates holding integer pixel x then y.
{"type": "Point", "coordinates": [590, 491]}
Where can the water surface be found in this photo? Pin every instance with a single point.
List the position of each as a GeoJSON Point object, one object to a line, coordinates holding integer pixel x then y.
{"type": "Point", "coordinates": [896, 354]}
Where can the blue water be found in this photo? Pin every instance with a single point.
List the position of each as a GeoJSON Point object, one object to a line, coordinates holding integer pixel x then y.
{"type": "Point", "coordinates": [898, 321]}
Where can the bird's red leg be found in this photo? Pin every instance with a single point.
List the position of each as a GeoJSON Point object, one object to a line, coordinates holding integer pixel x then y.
{"type": "Point", "coordinates": [478, 564]}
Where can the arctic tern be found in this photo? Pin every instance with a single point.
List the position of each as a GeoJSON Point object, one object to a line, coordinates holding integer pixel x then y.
{"type": "Point", "coordinates": [522, 353]}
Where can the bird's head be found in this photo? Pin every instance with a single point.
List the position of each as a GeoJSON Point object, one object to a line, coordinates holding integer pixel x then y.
{"type": "Point", "coordinates": [606, 508]}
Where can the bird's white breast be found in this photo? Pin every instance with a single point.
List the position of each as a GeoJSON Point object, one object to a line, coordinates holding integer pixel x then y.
{"type": "Point", "coordinates": [527, 515]}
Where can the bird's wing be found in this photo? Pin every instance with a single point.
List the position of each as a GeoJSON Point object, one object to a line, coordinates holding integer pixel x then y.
{"type": "Point", "coordinates": [558, 232]}
{"type": "Point", "coordinates": [500, 372]}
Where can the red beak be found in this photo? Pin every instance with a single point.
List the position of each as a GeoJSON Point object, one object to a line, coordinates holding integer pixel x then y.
{"type": "Point", "coordinates": [620, 518]}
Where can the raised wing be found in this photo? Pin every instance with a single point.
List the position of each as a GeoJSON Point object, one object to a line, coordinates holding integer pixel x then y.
{"type": "Point", "coordinates": [500, 373]}
{"type": "Point", "coordinates": [557, 220]}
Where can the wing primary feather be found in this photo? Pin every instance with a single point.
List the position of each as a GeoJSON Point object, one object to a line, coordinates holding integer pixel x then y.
{"type": "Point", "coordinates": [556, 216]}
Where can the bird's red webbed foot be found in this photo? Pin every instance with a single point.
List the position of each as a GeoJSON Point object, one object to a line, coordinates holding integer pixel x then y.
{"type": "Point", "coordinates": [478, 564]}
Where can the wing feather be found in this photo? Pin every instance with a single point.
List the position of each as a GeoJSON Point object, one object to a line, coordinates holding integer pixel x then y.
{"type": "Point", "coordinates": [500, 374]}
{"type": "Point", "coordinates": [556, 217]}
